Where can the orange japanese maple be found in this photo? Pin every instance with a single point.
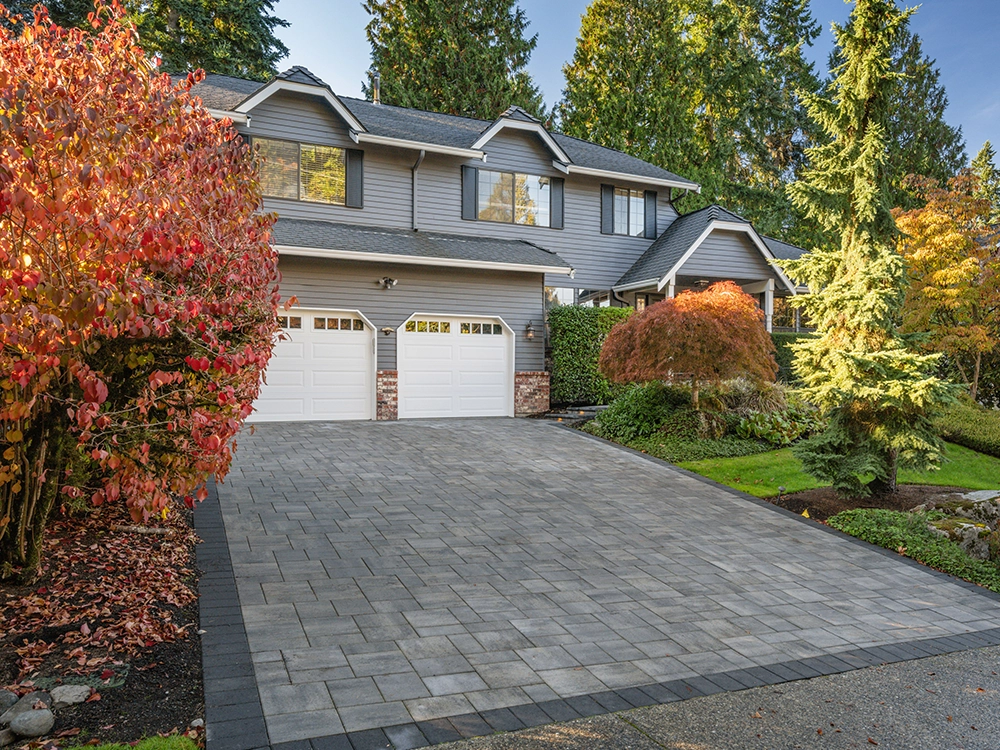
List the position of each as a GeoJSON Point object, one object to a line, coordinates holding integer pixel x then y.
{"type": "Point", "coordinates": [700, 337]}
{"type": "Point", "coordinates": [137, 281]}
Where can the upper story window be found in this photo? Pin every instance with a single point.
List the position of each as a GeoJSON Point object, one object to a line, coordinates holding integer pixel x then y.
{"type": "Point", "coordinates": [628, 212]}
{"type": "Point", "coordinates": [514, 198]}
{"type": "Point", "coordinates": [309, 172]}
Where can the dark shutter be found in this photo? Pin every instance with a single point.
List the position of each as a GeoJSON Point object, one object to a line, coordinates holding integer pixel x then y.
{"type": "Point", "coordinates": [355, 160]}
{"type": "Point", "coordinates": [470, 193]}
{"type": "Point", "coordinates": [650, 214]}
{"type": "Point", "coordinates": [556, 207]}
{"type": "Point", "coordinates": [607, 209]}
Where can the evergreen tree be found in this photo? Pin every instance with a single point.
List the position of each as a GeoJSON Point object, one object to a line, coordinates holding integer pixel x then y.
{"type": "Point", "coordinates": [859, 370]}
{"type": "Point", "coordinates": [231, 37]}
{"type": "Point", "coordinates": [988, 179]}
{"type": "Point", "coordinates": [460, 57]}
{"type": "Point", "coordinates": [16, 8]}
{"type": "Point", "coordinates": [920, 141]}
{"type": "Point", "coordinates": [705, 88]}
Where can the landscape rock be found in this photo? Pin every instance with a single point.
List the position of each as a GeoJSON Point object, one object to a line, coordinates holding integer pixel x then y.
{"type": "Point", "coordinates": [197, 723]}
{"type": "Point", "coordinates": [7, 737]}
{"type": "Point", "coordinates": [970, 536]}
{"type": "Point", "coordinates": [7, 699]}
{"type": "Point", "coordinates": [25, 704]}
{"type": "Point", "coordinates": [981, 507]}
{"type": "Point", "coordinates": [67, 695]}
{"type": "Point", "coordinates": [34, 723]}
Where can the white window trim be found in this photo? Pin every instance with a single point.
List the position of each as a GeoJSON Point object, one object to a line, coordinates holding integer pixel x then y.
{"type": "Point", "coordinates": [300, 144]}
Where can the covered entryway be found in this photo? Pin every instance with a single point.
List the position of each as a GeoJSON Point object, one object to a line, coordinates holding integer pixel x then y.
{"type": "Point", "coordinates": [455, 366]}
{"type": "Point", "coordinates": [324, 370]}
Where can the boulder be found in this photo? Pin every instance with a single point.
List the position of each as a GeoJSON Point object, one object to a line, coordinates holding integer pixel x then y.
{"type": "Point", "coordinates": [67, 695]}
{"type": "Point", "coordinates": [34, 723]}
{"type": "Point", "coordinates": [7, 699]}
{"type": "Point", "coordinates": [971, 536]}
{"type": "Point", "coordinates": [26, 703]}
{"type": "Point", "coordinates": [7, 737]}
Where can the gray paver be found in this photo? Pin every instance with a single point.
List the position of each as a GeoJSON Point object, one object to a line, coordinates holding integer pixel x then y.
{"type": "Point", "coordinates": [395, 572]}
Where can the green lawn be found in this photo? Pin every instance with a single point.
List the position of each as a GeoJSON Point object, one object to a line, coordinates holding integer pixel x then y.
{"type": "Point", "coordinates": [761, 474]}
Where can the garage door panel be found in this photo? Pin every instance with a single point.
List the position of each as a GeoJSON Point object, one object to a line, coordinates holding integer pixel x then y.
{"type": "Point", "coordinates": [322, 373]}
{"type": "Point", "coordinates": [459, 373]}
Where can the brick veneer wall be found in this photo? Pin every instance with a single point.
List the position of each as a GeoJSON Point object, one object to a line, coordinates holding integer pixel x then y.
{"type": "Point", "coordinates": [386, 394]}
{"type": "Point", "coordinates": [531, 393]}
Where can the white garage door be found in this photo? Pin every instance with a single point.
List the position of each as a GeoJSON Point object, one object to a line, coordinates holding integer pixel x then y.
{"type": "Point", "coordinates": [455, 367]}
{"type": "Point", "coordinates": [324, 370]}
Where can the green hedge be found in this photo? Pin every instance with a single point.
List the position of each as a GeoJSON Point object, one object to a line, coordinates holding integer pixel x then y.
{"type": "Point", "coordinates": [971, 425]}
{"type": "Point", "coordinates": [908, 532]}
{"type": "Point", "coordinates": [576, 335]}
{"type": "Point", "coordinates": [783, 344]}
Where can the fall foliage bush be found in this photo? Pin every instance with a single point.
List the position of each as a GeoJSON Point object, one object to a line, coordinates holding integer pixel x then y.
{"type": "Point", "coordinates": [138, 285]}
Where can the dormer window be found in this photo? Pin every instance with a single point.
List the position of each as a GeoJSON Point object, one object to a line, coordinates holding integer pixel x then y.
{"type": "Point", "coordinates": [310, 172]}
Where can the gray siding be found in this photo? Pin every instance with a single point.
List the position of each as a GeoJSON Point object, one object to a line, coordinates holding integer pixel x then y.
{"type": "Point", "coordinates": [730, 255]}
{"type": "Point", "coordinates": [307, 119]}
{"type": "Point", "coordinates": [515, 297]}
{"type": "Point", "coordinates": [599, 260]}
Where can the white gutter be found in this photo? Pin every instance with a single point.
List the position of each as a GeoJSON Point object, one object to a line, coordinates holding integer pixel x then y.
{"type": "Point", "coordinates": [415, 260]}
{"type": "Point", "coordinates": [385, 140]}
{"type": "Point", "coordinates": [635, 285]}
{"type": "Point", "coordinates": [238, 118]}
{"type": "Point", "coordinates": [625, 177]}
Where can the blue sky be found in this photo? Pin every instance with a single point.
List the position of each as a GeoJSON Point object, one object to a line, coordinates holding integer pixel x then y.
{"type": "Point", "coordinates": [328, 37]}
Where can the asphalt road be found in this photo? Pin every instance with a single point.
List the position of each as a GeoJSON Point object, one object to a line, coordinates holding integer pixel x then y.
{"type": "Point", "coordinates": [938, 703]}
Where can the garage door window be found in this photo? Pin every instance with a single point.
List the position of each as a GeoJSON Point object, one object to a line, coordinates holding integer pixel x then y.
{"type": "Point", "coordinates": [428, 326]}
{"type": "Point", "coordinates": [290, 321]}
{"type": "Point", "coordinates": [482, 328]}
{"type": "Point", "coordinates": [338, 324]}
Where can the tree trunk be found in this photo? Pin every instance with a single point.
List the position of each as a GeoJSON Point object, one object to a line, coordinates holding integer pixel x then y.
{"type": "Point", "coordinates": [888, 485]}
{"type": "Point", "coordinates": [974, 385]}
{"type": "Point", "coordinates": [26, 510]}
{"type": "Point", "coordinates": [694, 394]}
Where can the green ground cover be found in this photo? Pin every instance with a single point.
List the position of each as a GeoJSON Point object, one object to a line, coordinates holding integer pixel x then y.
{"type": "Point", "coordinates": [761, 474]}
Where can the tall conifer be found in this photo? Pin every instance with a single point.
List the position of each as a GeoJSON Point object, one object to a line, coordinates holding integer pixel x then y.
{"type": "Point", "coordinates": [875, 390]}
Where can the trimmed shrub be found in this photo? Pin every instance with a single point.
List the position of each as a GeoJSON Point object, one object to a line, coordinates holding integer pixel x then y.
{"type": "Point", "coordinates": [908, 534]}
{"type": "Point", "coordinates": [676, 450]}
{"type": "Point", "coordinates": [576, 335]}
{"type": "Point", "coordinates": [689, 424]}
{"type": "Point", "coordinates": [971, 425]}
{"type": "Point", "coordinates": [783, 353]}
{"type": "Point", "coordinates": [746, 397]}
{"type": "Point", "coordinates": [639, 411]}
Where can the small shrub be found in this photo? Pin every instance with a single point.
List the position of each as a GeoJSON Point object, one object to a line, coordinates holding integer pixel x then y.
{"type": "Point", "coordinates": [908, 533]}
{"type": "Point", "coordinates": [971, 425]}
{"type": "Point", "coordinates": [639, 411]}
{"type": "Point", "coordinates": [746, 397]}
{"type": "Point", "coordinates": [689, 424]}
{"type": "Point", "coordinates": [780, 427]}
{"type": "Point", "coordinates": [575, 337]}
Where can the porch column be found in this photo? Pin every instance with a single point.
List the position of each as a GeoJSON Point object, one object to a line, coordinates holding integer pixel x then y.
{"type": "Point", "coordinates": [670, 288]}
{"type": "Point", "coordinates": [768, 304]}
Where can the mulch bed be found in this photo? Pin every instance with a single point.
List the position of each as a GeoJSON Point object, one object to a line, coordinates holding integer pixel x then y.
{"type": "Point", "coordinates": [825, 502]}
{"type": "Point", "coordinates": [115, 610]}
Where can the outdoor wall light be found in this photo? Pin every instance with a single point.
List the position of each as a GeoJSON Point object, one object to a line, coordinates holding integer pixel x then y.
{"type": "Point", "coordinates": [529, 331]}
{"type": "Point", "coordinates": [387, 331]}
{"type": "Point", "coordinates": [386, 282]}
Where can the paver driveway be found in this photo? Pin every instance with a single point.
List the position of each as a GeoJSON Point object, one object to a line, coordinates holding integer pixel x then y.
{"type": "Point", "coordinates": [392, 573]}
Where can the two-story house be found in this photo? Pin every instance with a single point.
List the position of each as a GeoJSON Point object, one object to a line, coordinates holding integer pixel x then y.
{"type": "Point", "coordinates": [422, 248]}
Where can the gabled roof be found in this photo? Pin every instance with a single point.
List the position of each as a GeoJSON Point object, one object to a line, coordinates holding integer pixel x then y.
{"type": "Point", "coordinates": [668, 252]}
{"type": "Point", "coordinates": [327, 239]}
{"type": "Point", "coordinates": [782, 250]}
{"type": "Point", "coordinates": [515, 118]}
{"type": "Point", "coordinates": [296, 79]}
{"type": "Point", "coordinates": [414, 128]}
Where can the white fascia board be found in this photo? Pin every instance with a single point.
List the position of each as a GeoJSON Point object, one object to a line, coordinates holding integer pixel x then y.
{"type": "Point", "coordinates": [626, 177]}
{"type": "Point", "coordinates": [414, 260]}
{"type": "Point", "coordinates": [433, 148]}
{"type": "Point", "coordinates": [238, 118]}
{"type": "Point", "coordinates": [279, 84]}
{"type": "Point", "coordinates": [730, 226]}
{"type": "Point", "coordinates": [534, 127]}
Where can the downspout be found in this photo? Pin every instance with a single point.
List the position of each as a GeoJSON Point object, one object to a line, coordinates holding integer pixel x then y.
{"type": "Point", "coordinates": [413, 170]}
{"type": "Point", "coordinates": [620, 298]}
